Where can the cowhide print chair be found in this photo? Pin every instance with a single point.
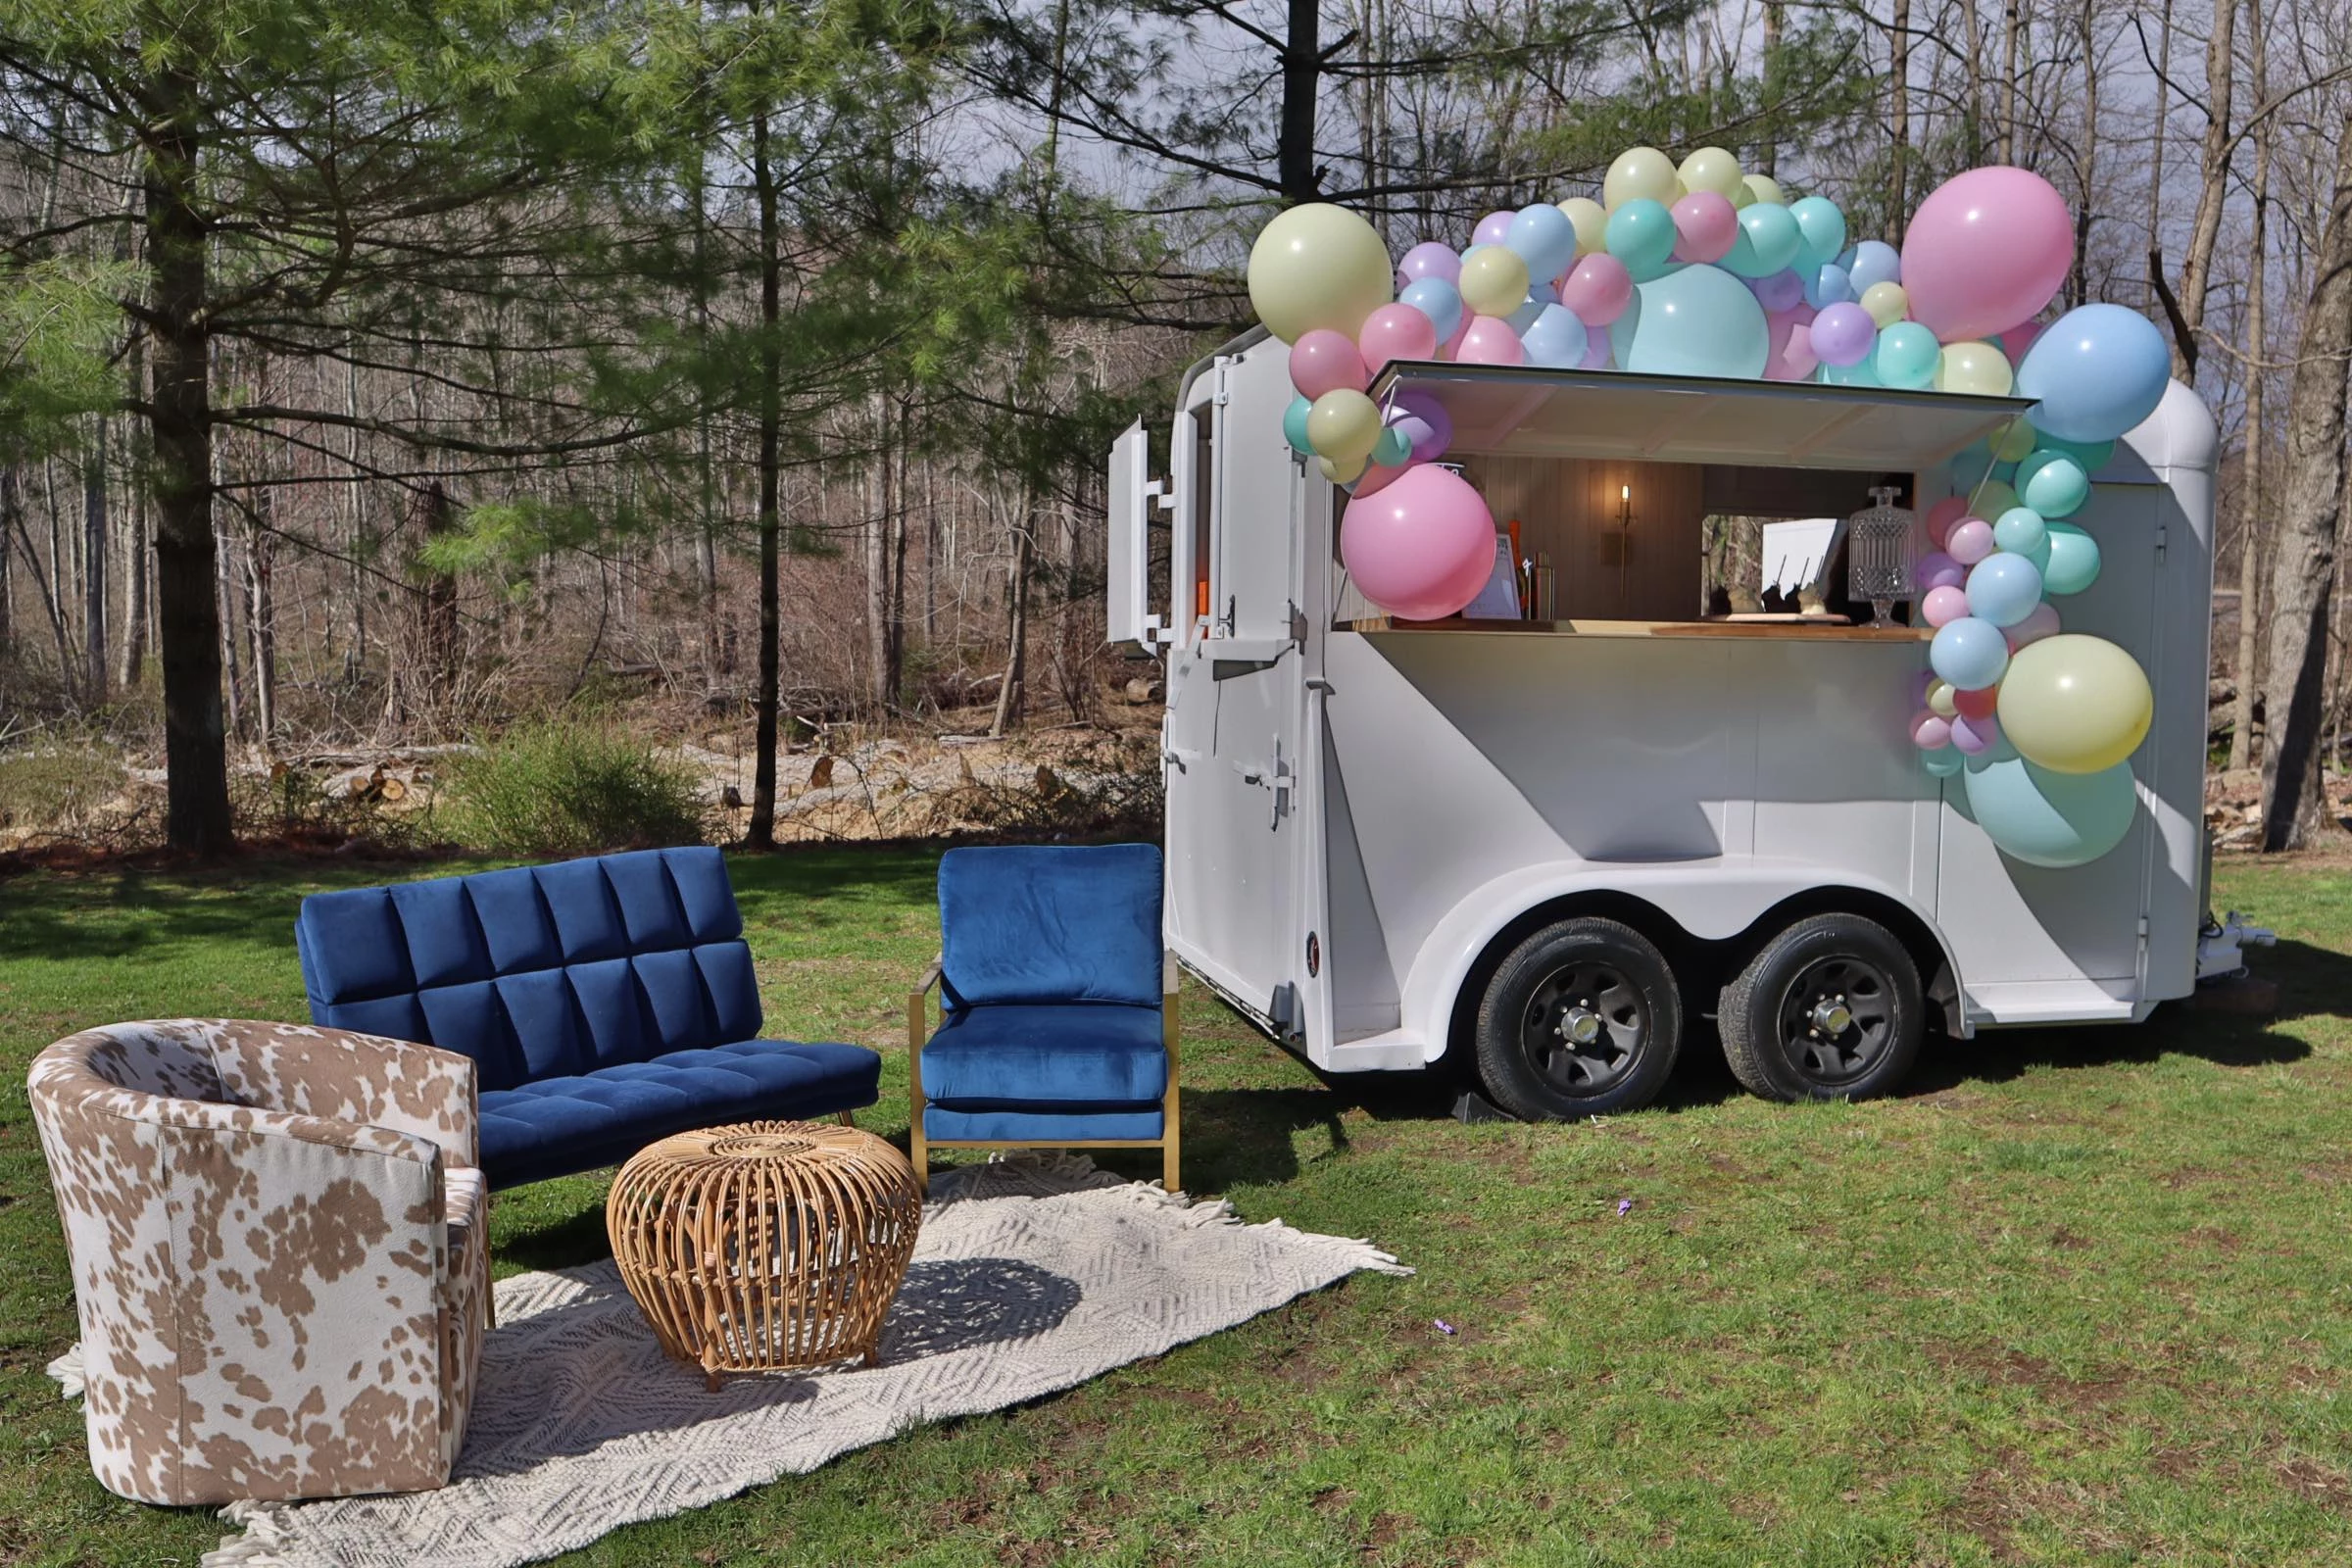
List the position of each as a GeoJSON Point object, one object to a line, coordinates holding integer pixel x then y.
{"type": "Point", "coordinates": [277, 1235]}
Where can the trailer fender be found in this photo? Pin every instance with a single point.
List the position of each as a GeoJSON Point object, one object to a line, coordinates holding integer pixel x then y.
{"type": "Point", "coordinates": [1711, 900]}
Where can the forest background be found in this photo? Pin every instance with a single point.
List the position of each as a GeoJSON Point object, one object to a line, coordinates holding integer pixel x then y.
{"type": "Point", "coordinates": [691, 397]}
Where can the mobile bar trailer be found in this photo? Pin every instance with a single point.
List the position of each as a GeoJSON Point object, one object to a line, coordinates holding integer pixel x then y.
{"type": "Point", "coordinates": [1544, 846]}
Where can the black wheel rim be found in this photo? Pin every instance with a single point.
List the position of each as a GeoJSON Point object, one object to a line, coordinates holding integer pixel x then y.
{"type": "Point", "coordinates": [1836, 1020]}
{"type": "Point", "coordinates": [1584, 1028]}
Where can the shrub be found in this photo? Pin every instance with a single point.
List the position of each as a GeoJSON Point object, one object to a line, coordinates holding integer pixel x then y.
{"type": "Point", "coordinates": [57, 787]}
{"type": "Point", "coordinates": [570, 788]}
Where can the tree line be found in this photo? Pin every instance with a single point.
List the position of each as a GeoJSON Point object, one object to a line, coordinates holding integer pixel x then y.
{"type": "Point", "coordinates": [379, 369]}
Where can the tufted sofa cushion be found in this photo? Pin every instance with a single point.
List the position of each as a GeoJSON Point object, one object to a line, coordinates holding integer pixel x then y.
{"type": "Point", "coordinates": [607, 1003]}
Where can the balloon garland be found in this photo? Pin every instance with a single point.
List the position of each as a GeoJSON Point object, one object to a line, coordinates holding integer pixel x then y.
{"type": "Point", "coordinates": [1704, 270]}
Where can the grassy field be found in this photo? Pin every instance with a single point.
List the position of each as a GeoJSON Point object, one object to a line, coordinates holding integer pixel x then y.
{"type": "Point", "coordinates": [2079, 1297]}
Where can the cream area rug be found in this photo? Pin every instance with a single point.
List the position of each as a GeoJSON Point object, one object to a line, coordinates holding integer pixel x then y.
{"type": "Point", "coordinates": [1029, 1277]}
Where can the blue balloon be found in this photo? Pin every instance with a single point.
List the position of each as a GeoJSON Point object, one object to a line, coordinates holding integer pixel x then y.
{"type": "Point", "coordinates": [2094, 373]}
{"type": "Point", "coordinates": [1875, 261]}
{"type": "Point", "coordinates": [2073, 560]}
{"type": "Point", "coordinates": [1540, 296]}
{"type": "Point", "coordinates": [1823, 228]}
{"type": "Point", "coordinates": [1697, 320]}
{"type": "Point", "coordinates": [2052, 483]}
{"type": "Point", "coordinates": [1642, 235]}
{"type": "Point", "coordinates": [1437, 300]}
{"type": "Point", "coordinates": [1828, 285]}
{"type": "Point", "coordinates": [2003, 589]}
{"type": "Point", "coordinates": [2048, 818]}
{"type": "Point", "coordinates": [1294, 427]}
{"type": "Point", "coordinates": [1544, 238]}
{"type": "Point", "coordinates": [1907, 356]}
{"type": "Point", "coordinates": [1943, 761]}
{"type": "Point", "coordinates": [1556, 340]}
{"type": "Point", "coordinates": [1767, 242]}
{"type": "Point", "coordinates": [1970, 653]}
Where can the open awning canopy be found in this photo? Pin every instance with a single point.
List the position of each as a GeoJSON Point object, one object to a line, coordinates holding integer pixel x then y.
{"type": "Point", "coordinates": [1521, 411]}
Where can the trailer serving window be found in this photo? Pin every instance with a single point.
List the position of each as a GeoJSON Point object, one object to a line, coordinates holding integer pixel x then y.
{"type": "Point", "coordinates": [1633, 488]}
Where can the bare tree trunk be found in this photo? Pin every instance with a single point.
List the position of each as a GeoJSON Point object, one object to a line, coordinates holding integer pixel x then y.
{"type": "Point", "coordinates": [186, 571]}
{"type": "Point", "coordinates": [1302, 79]}
{"type": "Point", "coordinates": [10, 488]}
{"type": "Point", "coordinates": [2252, 521]}
{"type": "Point", "coordinates": [231, 660]}
{"type": "Point", "coordinates": [881, 678]}
{"type": "Point", "coordinates": [2213, 192]}
{"type": "Point", "coordinates": [1899, 69]}
{"type": "Point", "coordinates": [260, 616]}
{"type": "Point", "coordinates": [132, 665]}
{"type": "Point", "coordinates": [1011, 696]}
{"type": "Point", "coordinates": [2086, 153]}
{"type": "Point", "coordinates": [760, 834]}
{"type": "Point", "coordinates": [1972, 31]}
{"type": "Point", "coordinates": [96, 532]}
{"type": "Point", "coordinates": [2295, 808]}
{"type": "Point", "coordinates": [2013, 26]}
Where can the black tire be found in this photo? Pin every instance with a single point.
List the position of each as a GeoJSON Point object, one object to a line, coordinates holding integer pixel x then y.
{"type": "Point", "coordinates": [1828, 1009]}
{"type": "Point", "coordinates": [1606, 981]}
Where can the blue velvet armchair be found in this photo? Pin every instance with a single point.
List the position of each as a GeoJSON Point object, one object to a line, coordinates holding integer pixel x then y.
{"type": "Point", "coordinates": [1057, 1007]}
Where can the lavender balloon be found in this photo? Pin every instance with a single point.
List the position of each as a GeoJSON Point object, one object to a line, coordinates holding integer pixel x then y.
{"type": "Point", "coordinates": [1429, 258]}
{"type": "Point", "coordinates": [1424, 423]}
{"type": "Point", "coordinates": [1845, 335]}
{"type": "Point", "coordinates": [1780, 291]}
{"type": "Point", "coordinates": [1492, 229]}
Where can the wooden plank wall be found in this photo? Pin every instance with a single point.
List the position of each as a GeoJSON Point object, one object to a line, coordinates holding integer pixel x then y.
{"type": "Point", "coordinates": [1569, 508]}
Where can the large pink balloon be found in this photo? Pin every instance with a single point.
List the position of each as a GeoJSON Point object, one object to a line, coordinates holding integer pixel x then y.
{"type": "Point", "coordinates": [1395, 332]}
{"type": "Point", "coordinates": [1324, 360]}
{"type": "Point", "coordinates": [1788, 344]}
{"type": "Point", "coordinates": [1490, 340]}
{"type": "Point", "coordinates": [1423, 547]}
{"type": "Point", "coordinates": [1985, 251]}
{"type": "Point", "coordinates": [1598, 289]}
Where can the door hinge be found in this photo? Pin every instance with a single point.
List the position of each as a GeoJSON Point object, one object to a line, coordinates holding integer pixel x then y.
{"type": "Point", "coordinates": [1297, 625]}
{"type": "Point", "coordinates": [2160, 533]}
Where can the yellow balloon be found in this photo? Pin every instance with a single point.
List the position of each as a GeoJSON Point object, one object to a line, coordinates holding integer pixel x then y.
{"type": "Point", "coordinates": [1343, 425]}
{"type": "Point", "coordinates": [1712, 169]}
{"type": "Point", "coordinates": [2014, 442]}
{"type": "Point", "coordinates": [1990, 499]}
{"type": "Point", "coordinates": [1761, 188]}
{"type": "Point", "coordinates": [1940, 701]}
{"type": "Point", "coordinates": [1645, 172]}
{"type": "Point", "coordinates": [1494, 280]}
{"type": "Point", "coordinates": [1341, 472]}
{"type": "Point", "coordinates": [2075, 705]}
{"type": "Point", "coordinates": [1888, 303]}
{"type": "Point", "coordinates": [1318, 265]}
{"type": "Point", "coordinates": [1592, 220]}
{"type": "Point", "coordinates": [1978, 367]}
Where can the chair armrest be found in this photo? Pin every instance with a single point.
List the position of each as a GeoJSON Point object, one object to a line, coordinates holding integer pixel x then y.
{"type": "Point", "coordinates": [340, 1076]}
{"type": "Point", "coordinates": [918, 1010]}
{"type": "Point", "coordinates": [1170, 975]}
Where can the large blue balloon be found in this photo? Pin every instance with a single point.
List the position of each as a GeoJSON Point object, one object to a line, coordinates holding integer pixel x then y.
{"type": "Point", "coordinates": [1544, 238]}
{"type": "Point", "coordinates": [2073, 560]}
{"type": "Point", "coordinates": [2094, 373]}
{"type": "Point", "coordinates": [1697, 320]}
{"type": "Point", "coordinates": [2046, 818]}
{"type": "Point", "coordinates": [1824, 227]}
{"type": "Point", "coordinates": [1439, 301]}
{"type": "Point", "coordinates": [2002, 588]}
{"type": "Point", "coordinates": [1971, 653]}
{"type": "Point", "coordinates": [1556, 340]}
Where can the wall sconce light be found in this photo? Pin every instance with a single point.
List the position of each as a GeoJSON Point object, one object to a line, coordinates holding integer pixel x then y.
{"type": "Point", "coordinates": [1625, 506]}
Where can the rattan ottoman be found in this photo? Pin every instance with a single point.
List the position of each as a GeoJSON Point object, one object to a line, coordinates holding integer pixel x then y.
{"type": "Point", "coordinates": [767, 1244]}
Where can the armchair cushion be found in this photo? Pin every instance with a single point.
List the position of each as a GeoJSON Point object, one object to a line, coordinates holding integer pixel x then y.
{"type": "Point", "coordinates": [1117, 1125]}
{"type": "Point", "coordinates": [1024, 1057]}
{"type": "Point", "coordinates": [1050, 924]}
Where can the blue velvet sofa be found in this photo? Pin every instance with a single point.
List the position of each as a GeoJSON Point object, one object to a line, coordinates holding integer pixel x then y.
{"type": "Point", "coordinates": [605, 1002]}
{"type": "Point", "coordinates": [1057, 999]}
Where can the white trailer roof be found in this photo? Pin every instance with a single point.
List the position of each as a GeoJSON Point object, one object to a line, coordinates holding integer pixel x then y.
{"type": "Point", "coordinates": [1522, 411]}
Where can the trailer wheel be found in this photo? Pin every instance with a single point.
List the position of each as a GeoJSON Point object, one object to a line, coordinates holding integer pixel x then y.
{"type": "Point", "coordinates": [1583, 1020]}
{"type": "Point", "coordinates": [1829, 1010]}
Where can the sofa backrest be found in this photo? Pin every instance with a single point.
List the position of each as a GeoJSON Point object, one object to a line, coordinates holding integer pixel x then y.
{"type": "Point", "coordinates": [1064, 924]}
{"type": "Point", "coordinates": [542, 971]}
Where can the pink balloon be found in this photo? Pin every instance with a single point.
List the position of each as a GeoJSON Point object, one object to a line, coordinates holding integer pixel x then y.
{"type": "Point", "coordinates": [1975, 735]}
{"type": "Point", "coordinates": [1490, 340]}
{"type": "Point", "coordinates": [1788, 344]}
{"type": "Point", "coordinates": [1491, 229]}
{"type": "Point", "coordinates": [1930, 732]}
{"type": "Point", "coordinates": [1940, 517]}
{"type": "Point", "coordinates": [1394, 333]}
{"type": "Point", "coordinates": [1598, 289]}
{"type": "Point", "coordinates": [2020, 338]}
{"type": "Point", "coordinates": [1970, 541]}
{"type": "Point", "coordinates": [1943, 605]}
{"type": "Point", "coordinates": [1324, 360]}
{"type": "Point", "coordinates": [1429, 258]}
{"type": "Point", "coordinates": [2041, 622]}
{"type": "Point", "coordinates": [1705, 222]}
{"type": "Point", "coordinates": [1936, 569]}
{"type": "Point", "coordinates": [1985, 251]}
{"type": "Point", "coordinates": [1423, 548]}
{"type": "Point", "coordinates": [1596, 352]}
{"type": "Point", "coordinates": [1376, 478]}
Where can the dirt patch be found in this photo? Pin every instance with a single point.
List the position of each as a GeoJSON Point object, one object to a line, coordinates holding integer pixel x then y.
{"type": "Point", "coordinates": [2014, 1368]}
{"type": "Point", "coordinates": [2316, 1482]}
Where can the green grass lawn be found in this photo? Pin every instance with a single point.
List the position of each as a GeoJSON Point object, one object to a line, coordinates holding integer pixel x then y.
{"type": "Point", "coordinates": [2079, 1297]}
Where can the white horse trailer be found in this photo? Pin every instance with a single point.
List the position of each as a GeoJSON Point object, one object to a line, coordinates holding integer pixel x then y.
{"type": "Point", "coordinates": [1548, 846]}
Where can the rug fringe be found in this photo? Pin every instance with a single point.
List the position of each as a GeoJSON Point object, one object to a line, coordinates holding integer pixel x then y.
{"type": "Point", "coordinates": [67, 1371]}
{"type": "Point", "coordinates": [257, 1548]}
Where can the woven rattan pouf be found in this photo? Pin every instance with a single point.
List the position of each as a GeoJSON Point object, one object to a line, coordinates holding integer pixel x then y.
{"type": "Point", "coordinates": [764, 1246]}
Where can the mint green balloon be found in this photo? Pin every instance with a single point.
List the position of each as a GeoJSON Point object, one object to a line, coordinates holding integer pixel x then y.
{"type": "Point", "coordinates": [2021, 532]}
{"type": "Point", "coordinates": [2092, 455]}
{"type": "Point", "coordinates": [1695, 320]}
{"type": "Point", "coordinates": [1393, 447]}
{"type": "Point", "coordinates": [1768, 241]}
{"type": "Point", "coordinates": [2074, 564]}
{"type": "Point", "coordinates": [2052, 483]}
{"type": "Point", "coordinates": [1943, 761]}
{"type": "Point", "coordinates": [1294, 427]}
{"type": "Point", "coordinates": [1907, 356]}
{"type": "Point", "coordinates": [1640, 233]}
{"type": "Point", "coordinates": [2051, 819]}
{"type": "Point", "coordinates": [1858, 373]}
